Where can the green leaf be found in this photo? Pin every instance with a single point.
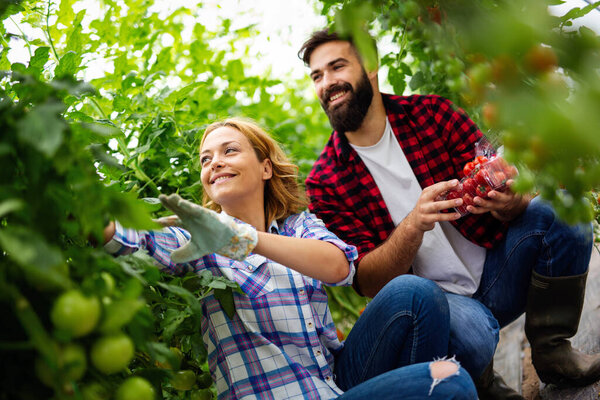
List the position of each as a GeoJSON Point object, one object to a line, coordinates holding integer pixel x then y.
{"type": "Point", "coordinates": [417, 81]}
{"type": "Point", "coordinates": [121, 103]}
{"type": "Point", "coordinates": [103, 130]}
{"type": "Point", "coordinates": [126, 209]}
{"type": "Point", "coordinates": [43, 128]}
{"type": "Point", "coordinates": [186, 295]}
{"type": "Point", "coordinates": [225, 298]}
{"type": "Point", "coordinates": [118, 313]}
{"type": "Point", "coordinates": [39, 260]}
{"type": "Point", "coordinates": [39, 59]}
{"type": "Point", "coordinates": [10, 205]}
{"type": "Point", "coordinates": [65, 12]}
{"type": "Point", "coordinates": [397, 80]}
{"type": "Point", "coordinates": [153, 203]}
{"type": "Point", "coordinates": [4, 62]}
{"type": "Point", "coordinates": [68, 65]}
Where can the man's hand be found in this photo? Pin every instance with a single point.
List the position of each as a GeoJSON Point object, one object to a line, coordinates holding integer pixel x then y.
{"type": "Point", "coordinates": [504, 206]}
{"type": "Point", "coordinates": [211, 232]}
{"type": "Point", "coordinates": [427, 211]}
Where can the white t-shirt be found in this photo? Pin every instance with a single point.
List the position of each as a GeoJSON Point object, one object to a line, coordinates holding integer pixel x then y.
{"type": "Point", "coordinates": [445, 256]}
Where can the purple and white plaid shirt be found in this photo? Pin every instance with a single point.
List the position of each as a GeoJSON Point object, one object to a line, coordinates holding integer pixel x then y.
{"type": "Point", "coordinates": [281, 341]}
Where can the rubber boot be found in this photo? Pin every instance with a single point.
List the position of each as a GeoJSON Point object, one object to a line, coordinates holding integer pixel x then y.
{"type": "Point", "coordinates": [491, 386]}
{"type": "Point", "coordinates": [552, 316]}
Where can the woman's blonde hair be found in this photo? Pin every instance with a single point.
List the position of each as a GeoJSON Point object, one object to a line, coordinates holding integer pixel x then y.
{"type": "Point", "coordinates": [283, 196]}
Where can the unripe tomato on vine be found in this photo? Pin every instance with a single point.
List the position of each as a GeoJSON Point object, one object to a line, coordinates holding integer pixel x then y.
{"type": "Point", "coordinates": [75, 313]}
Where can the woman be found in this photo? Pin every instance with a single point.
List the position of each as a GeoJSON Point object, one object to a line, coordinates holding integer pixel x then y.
{"type": "Point", "coordinates": [281, 342]}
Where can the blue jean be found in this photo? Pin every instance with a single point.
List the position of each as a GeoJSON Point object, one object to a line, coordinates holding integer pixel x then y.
{"type": "Point", "coordinates": [413, 382]}
{"type": "Point", "coordinates": [536, 240]}
{"type": "Point", "coordinates": [406, 323]}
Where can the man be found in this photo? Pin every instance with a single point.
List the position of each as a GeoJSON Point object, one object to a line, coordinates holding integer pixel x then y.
{"type": "Point", "coordinates": [377, 184]}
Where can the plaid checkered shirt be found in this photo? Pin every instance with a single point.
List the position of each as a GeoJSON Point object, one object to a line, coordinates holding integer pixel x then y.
{"type": "Point", "coordinates": [437, 139]}
{"type": "Point", "coordinates": [282, 340]}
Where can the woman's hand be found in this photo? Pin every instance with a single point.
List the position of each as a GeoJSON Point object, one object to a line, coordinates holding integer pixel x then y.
{"type": "Point", "coordinates": [211, 232]}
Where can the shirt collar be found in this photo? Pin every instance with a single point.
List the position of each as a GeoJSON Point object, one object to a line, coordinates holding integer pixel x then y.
{"type": "Point", "coordinates": [273, 227]}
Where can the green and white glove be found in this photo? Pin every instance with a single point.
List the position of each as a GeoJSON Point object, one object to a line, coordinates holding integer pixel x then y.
{"type": "Point", "coordinates": [211, 232]}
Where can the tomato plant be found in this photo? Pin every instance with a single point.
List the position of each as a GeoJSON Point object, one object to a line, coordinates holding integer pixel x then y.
{"type": "Point", "coordinates": [75, 154]}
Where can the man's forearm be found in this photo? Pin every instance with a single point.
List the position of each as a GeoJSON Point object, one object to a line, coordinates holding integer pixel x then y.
{"type": "Point", "coordinates": [392, 258]}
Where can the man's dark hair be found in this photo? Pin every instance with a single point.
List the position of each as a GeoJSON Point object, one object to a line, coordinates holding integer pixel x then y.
{"type": "Point", "coordinates": [325, 36]}
{"type": "Point", "coordinates": [318, 38]}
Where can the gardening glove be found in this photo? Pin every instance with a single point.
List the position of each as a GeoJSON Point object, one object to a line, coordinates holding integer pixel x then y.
{"type": "Point", "coordinates": [211, 232]}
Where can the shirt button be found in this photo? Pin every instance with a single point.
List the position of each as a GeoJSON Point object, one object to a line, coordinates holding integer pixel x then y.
{"type": "Point", "coordinates": [310, 324]}
{"type": "Point", "coordinates": [249, 267]}
{"type": "Point", "coordinates": [318, 352]}
{"type": "Point", "coordinates": [301, 291]}
{"type": "Point", "coordinates": [328, 378]}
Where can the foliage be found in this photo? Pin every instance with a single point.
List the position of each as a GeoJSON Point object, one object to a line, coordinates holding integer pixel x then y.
{"type": "Point", "coordinates": [526, 76]}
{"type": "Point", "coordinates": [76, 154]}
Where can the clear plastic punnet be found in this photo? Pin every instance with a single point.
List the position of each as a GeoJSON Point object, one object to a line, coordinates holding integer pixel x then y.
{"type": "Point", "coordinates": [487, 172]}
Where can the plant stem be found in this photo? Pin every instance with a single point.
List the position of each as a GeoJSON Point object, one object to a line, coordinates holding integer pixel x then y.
{"type": "Point", "coordinates": [22, 35]}
{"type": "Point", "coordinates": [47, 32]}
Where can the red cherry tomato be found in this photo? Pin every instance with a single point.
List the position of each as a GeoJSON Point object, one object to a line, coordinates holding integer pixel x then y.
{"type": "Point", "coordinates": [482, 190]}
{"type": "Point", "coordinates": [467, 199]}
{"type": "Point", "coordinates": [470, 186]}
{"type": "Point", "coordinates": [455, 194]}
{"type": "Point", "coordinates": [481, 160]}
{"type": "Point", "coordinates": [482, 177]}
{"type": "Point", "coordinates": [468, 168]}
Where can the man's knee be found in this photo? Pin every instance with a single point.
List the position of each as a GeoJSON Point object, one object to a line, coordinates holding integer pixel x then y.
{"type": "Point", "coordinates": [404, 284]}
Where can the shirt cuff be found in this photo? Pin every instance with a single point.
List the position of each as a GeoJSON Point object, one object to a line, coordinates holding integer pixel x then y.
{"type": "Point", "coordinates": [124, 241]}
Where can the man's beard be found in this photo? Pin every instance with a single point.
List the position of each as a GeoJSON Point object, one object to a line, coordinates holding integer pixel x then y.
{"type": "Point", "coordinates": [348, 116]}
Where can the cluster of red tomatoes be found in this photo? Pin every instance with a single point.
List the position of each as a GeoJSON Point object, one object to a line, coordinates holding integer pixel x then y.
{"type": "Point", "coordinates": [481, 176]}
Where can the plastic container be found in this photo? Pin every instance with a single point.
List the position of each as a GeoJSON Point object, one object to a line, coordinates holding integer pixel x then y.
{"type": "Point", "coordinates": [491, 175]}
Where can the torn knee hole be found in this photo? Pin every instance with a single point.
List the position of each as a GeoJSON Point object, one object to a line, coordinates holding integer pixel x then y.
{"type": "Point", "coordinates": [443, 369]}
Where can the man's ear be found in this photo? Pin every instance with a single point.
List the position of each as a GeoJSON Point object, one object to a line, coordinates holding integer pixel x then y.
{"type": "Point", "coordinates": [267, 169]}
{"type": "Point", "coordinates": [373, 74]}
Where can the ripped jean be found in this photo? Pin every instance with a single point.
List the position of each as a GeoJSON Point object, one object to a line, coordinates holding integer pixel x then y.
{"type": "Point", "coordinates": [406, 323]}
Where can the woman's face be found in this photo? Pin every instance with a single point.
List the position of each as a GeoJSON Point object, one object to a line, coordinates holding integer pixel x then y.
{"type": "Point", "coordinates": [231, 172]}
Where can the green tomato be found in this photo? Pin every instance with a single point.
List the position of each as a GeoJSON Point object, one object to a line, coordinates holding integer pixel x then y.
{"type": "Point", "coordinates": [202, 394]}
{"type": "Point", "coordinates": [111, 354]}
{"type": "Point", "coordinates": [183, 380]}
{"type": "Point", "coordinates": [75, 313]}
{"type": "Point", "coordinates": [411, 10]}
{"type": "Point", "coordinates": [73, 362]}
{"type": "Point", "coordinates": [70, 366]}
{"type": "Point", "coordinates": [94, 391]}
{"type": "Point", "coordinates": [135, 388]}
{"type": "Point", "coordinates": [204, 380]}
{"type": "Point", "coordinates": [44, 373]}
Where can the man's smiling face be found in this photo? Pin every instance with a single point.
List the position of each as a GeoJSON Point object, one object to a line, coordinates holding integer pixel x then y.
{"type": "Point", "coordinates": [342, 84]}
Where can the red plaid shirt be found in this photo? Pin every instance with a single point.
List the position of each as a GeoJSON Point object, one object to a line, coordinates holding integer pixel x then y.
{"type": "Point", "coordinates": [437, 139]}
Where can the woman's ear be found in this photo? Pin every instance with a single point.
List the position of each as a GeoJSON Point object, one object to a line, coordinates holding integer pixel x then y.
{"type": "Point", "coordinates": [267, 169]}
